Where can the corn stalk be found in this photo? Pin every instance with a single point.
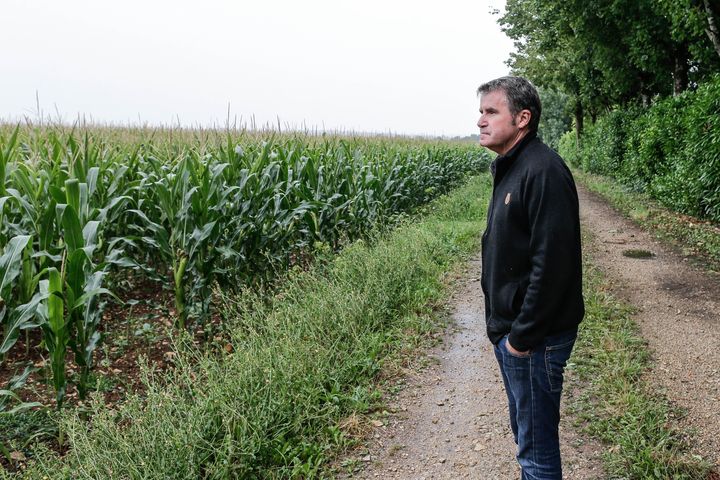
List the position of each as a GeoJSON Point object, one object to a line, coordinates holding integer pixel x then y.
{"type": "Point", "coordinates": [14, 317]}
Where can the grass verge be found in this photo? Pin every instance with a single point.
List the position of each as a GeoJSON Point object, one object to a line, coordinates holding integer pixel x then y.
{"type": "Point", "coordinates": [618, 404]}
{"type": "Point", "coordinates": [299, 362]}
{"type": "Point", "coordinates": [695, 238]}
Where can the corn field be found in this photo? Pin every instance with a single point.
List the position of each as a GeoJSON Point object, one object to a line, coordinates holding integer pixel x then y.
{"type": "Point", "coordinates": [192, 210]}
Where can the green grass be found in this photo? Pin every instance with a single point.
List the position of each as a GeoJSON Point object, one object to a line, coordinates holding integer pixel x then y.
{"type": "Point", "coordinates": [696, 238]}
{"type": "Point", "coordinates": [303, 360]}
{"type": "Point", "coordinates": [618, 404]}
{"type": "Point", "coordinates": [17, 431]}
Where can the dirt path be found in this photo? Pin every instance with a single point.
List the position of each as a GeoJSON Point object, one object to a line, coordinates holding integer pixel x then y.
{"type": "Point", "coordinates": [678, 313]}
{"type": "Point", "coordinates": [452, 417]}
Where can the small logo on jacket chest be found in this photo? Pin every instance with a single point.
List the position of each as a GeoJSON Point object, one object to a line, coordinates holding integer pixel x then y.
{"type": "Point", "coordinates": [507, 198]}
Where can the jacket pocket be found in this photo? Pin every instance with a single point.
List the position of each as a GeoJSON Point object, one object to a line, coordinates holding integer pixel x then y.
{"type": "Point", "coordinates": [510, 299]}
{"type": "Point", "coordinates": [518, 298]}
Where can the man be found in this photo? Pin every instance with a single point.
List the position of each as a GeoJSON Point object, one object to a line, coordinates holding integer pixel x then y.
{"type": "Point", "coordinates": [532, 269]}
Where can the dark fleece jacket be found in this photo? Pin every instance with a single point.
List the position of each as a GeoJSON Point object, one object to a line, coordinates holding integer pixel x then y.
{"type": "Point", "coordinates": [532, 265]}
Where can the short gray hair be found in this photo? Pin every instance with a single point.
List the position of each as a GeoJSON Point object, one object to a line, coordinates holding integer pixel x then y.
{"type": "Point", "coordinates": [521, 95]}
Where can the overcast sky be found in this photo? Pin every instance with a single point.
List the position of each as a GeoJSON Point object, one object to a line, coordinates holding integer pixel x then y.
{"type": "Point", "coordinates": [400, 66]}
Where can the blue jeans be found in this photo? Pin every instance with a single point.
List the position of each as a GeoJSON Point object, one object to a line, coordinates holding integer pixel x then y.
{"type": "Point", "coordinates": [533, 384]}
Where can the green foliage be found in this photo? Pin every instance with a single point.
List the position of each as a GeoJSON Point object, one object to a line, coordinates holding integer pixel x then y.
{"type": "Point", "coordinates": [601, 52]}
{"type": "Point", "coordinates": [301, 361]}
{"type": "Point", "coordinates": [603, 143]}
{"type": "Point", "coordinates": [556, 117]}
{"type": "Point", "coordinates": [608, 55]}
{"type": "Point", "coordinates": [192, 210]}
{"type": "Point", "coordinates": [670, 150]}
{"type": "Point", "coordinates": [55, 330]}
{"type": "Point", "coordinates": [689, 25]}
{"type": "Point", "coordinates": [13, 316]}
{"type": "Point", "coordinates": [568, 148]}
{"type": "Point", "coordinates": [699, 159]}
{"type": "Point", "coordinates": [22, 426]}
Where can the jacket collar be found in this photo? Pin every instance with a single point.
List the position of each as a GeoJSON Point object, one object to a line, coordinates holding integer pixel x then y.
{"type": "Point", "coordinates": [503, 162]}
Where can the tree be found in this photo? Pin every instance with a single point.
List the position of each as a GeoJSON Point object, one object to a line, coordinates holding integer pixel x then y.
{"type": "Point", "coordinates": [711, 10]}
{"type": "Point", "coordinates": [693, 24]}
{"type": "Point", "coordinates": [556, 117]}
{"type": "Point", "coordinates": [604, 53]}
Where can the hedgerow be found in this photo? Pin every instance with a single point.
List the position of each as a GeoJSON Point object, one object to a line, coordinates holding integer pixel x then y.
{"type": "Point", "coordinates": [670, 150]}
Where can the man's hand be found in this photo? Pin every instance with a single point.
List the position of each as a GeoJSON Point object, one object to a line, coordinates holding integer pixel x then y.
{"type": "Point", "coordinates": [512, 350]}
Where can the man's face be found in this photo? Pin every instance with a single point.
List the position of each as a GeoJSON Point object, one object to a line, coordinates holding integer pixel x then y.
{"type": "Point", "coordinates": [499, 131]}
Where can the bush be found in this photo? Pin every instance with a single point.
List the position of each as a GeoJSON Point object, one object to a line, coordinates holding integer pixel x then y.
{"type": "Point", "coordinates": [702, 149]}
{"type": "Point", "coordinates": [603, 145]}
{"type": "Point", "coordinates": [670, 150]}
{"type": "Point", "coordinates": [568, 149]}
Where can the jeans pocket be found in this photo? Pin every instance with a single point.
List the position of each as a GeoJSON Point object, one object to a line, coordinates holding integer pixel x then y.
{"type": "Point", "coordinates": [556, 357]}
{"type": "Point", "coordinates": [504, 343]}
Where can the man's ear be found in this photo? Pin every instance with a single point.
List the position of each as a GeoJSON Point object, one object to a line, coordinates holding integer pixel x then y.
{"type": "Point", "coordinates": [523, 118]}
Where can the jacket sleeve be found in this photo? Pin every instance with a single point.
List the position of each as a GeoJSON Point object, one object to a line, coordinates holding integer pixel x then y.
{"type": "Point", "coordinates": [551, 202]}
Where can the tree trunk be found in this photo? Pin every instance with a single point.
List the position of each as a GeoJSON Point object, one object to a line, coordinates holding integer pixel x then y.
{"type": "Point", "coordinates": [578, 121]}
{"type": "Point", "coordinates": [712, 30]}
{"type": "Point", "coordinates": [680, 72]}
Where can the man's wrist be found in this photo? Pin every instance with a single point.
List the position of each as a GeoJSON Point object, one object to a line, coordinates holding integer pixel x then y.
{"type": "Point", "coordinates": [515, 350]}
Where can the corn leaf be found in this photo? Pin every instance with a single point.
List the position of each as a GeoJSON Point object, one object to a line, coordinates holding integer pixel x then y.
{"type": "Point", "coordinates": [72, 232]}
{"type": "Point", "coordinates": [11, 261]}
{"type": "Point", "coordinates": [20, 318]}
